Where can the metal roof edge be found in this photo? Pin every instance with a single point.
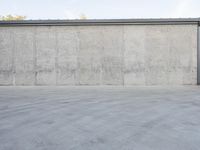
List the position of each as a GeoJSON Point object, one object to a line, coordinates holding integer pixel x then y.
{"type": "Point", "coordinates": [78, 22]}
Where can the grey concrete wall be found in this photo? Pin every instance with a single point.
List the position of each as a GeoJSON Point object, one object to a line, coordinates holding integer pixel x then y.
{"type": "Point", "coordinates": [98, 55]}
{"type": "Point", "coordinates": [198, 55]}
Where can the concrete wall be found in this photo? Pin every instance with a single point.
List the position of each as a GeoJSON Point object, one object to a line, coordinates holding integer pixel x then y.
{"type": "Point", "coordinates": [98, 55]}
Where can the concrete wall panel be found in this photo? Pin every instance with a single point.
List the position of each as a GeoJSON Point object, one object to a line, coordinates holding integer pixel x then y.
{"type": "Point", "coordinates": [134, 55]}
{"type": "Point", "coordinates": [24, 55]}
{"type": "Point", "coordinates": [112, 55]}
{"type": "Point", "coordinates": [89, 55]}
{"type": "Point", "coordinates": [46, 52]}
{"type": "Point", "coordinates": [156, 55]}
{"type": "Point", "coordinates": [160, 55]}
{"type": "Point", "coordinates": [183, 54]}
{"type": "Point", "coordinates": [6, 56]}
{"type": "Point", "coordinates": [67, 46]}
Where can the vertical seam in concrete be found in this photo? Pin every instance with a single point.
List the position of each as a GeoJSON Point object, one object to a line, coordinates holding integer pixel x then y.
{"type": "Point", "coordinates": [56, 57]}
{"type": "Point", "coordinates": [76, 42]}
{"type": "Point", "coordinates": [102, 55]}
{"type": "Point", "coordinates": [123, 51]}
{"type": "Point", "coordinates": [145, 59]}
{"type": "Point", "coordinates": [198, 55]}
{"type": "Point", "coordinates": [168, 52]}
{"type": "Point", "coordinates": [13, 57]}
{"type": "Point", "coordinates": [35, 56]}
{"type": "Point", "coordinates": [77, 79]}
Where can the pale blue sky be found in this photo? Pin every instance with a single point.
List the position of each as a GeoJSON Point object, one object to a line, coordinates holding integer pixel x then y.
{"type": "Point", "coordinates": [96, 9]}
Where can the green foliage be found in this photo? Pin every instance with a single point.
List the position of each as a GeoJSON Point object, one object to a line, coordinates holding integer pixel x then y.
{"type": "Point", "coordinates": [12, 17]}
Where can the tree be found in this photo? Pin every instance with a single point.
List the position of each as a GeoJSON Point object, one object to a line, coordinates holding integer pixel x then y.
{"type": "Point", "coordinates": [83, 16]}
{"type": "Point", "coordinates": [12, 17]}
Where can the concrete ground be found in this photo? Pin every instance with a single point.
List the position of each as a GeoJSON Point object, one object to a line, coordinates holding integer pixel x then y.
{"type": "Point", "coordinates": [100, 118]}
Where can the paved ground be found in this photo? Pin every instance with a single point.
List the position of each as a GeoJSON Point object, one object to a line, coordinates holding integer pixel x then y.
{"type": "Point", "coordinates": [99, 118]}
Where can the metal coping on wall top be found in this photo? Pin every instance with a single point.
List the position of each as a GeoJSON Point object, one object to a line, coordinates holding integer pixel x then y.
{"type": "Point", "coordinates": [101, 22]}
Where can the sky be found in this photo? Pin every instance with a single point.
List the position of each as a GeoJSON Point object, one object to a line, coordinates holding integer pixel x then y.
{"type": "Point", "coordinates": [101, 9]}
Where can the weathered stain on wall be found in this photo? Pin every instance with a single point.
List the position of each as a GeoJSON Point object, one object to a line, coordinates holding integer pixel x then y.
{"type": "Point", "coordinates": [98, 55]}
